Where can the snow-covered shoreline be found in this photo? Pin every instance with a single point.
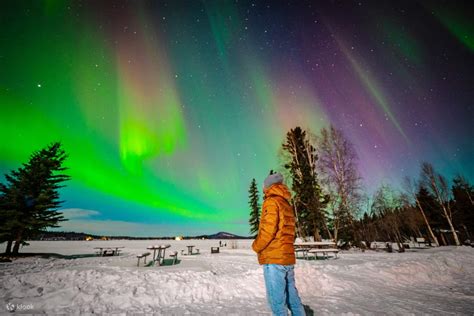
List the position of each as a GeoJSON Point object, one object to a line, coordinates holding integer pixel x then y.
{"type": "Point", "coordinates": [427, 281]}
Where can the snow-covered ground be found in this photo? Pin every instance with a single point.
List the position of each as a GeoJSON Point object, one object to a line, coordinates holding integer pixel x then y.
{"type": "Point", "coordinates": [424, 281]}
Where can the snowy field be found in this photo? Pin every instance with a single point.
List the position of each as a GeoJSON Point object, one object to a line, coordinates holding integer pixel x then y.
{"type": "Point", "coordinates": [423, 281]}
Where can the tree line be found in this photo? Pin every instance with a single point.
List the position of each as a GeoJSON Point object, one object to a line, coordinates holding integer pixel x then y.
{"type": "Point", "coordinates": [329, 200]}
{"type": "Point", "coordinates": [30, 197]}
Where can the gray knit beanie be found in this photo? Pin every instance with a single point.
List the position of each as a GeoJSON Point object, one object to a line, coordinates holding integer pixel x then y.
{"type": "Point", "coordinates": [272, 179]}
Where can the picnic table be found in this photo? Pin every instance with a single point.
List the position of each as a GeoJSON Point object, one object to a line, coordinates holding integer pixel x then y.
{"type": "Point", "coordinates": [315, 247]}
{"type": "Point", "coordinates": [161, 249]}
{"type": "Point", "coordinates": [422, 241]}
{"type": "Point", "coordinates": [108, 251]}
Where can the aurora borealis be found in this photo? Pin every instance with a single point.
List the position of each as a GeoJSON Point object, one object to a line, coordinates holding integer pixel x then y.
{"type": "Point", "coordinates": [168, 109]}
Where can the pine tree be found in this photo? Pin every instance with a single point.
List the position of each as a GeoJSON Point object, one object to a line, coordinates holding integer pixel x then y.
{"type": "Point", "coordinates": [254, 220]}
{"type": "Point", "coordinates": [308, 201]}
{"type": "Point", "coordinates": [31, 197]}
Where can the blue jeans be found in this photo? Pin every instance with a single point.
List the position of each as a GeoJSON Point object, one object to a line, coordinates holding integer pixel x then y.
{"type": "Point", "coordinates": [281, 290]}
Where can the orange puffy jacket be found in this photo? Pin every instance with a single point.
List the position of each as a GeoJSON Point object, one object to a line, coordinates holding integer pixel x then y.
{"type": "Point", "coordinates": [276, 232]}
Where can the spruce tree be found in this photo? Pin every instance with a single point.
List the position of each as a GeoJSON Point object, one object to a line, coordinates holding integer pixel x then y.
{"type": "Point", "coordinates": [31, 196]}
{"type": "Point", "coordinates": [308, 201]}
{"type": "Point", "coordinates": [254, 220]}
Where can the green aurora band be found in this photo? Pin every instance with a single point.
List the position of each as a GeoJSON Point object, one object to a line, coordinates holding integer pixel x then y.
{"type": "Point", "coordinates": [168, 110]}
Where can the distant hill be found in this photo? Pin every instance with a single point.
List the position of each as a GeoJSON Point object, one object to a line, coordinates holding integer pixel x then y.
{"type": "Point", "coordinates": [224, 235]}
{"type": "Point", "coordinates": [58, 235]}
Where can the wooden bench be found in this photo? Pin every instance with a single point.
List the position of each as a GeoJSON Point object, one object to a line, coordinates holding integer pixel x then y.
{"type": "Point", "coordinates": [143, 255]}
{"type": "Point", "coordinates": [108, 252]}
{"type": "Point", "coordinates": [325, 252]}
{"type": "Point", "coordinates": [303, 250]}
{"type": "Point", "coordinates": [214, 249]}
{"type": "Point", "coordinates": [174, 255]}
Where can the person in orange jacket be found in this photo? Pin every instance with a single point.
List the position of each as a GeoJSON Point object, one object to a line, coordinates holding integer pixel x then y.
{"type": "Point", "coordinates": [274, 247]}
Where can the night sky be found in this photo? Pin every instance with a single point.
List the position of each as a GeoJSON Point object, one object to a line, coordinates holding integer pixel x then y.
{"type": "Point", "coordinates": [168, 109]}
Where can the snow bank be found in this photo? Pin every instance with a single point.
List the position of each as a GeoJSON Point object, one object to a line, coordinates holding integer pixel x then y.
{"type": "Point", "coordinates": [231, 282]}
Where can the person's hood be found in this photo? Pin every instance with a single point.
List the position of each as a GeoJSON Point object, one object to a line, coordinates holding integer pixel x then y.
{"type": "Point", "coordinates": [278, 189]}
